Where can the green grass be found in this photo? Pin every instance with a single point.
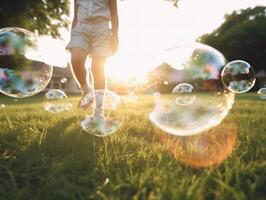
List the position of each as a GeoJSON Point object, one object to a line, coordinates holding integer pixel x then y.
{"type": "Point", "coordinates": [48, 156]}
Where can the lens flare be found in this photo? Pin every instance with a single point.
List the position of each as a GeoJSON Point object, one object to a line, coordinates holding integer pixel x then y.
{"type": "Point", "coordinates": [204, 150]}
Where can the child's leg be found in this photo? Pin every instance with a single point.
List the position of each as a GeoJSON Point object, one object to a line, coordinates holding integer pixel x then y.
{"type": "Point", "coordinates": [98, 73]}
{"type": "Point", "coordinates": [78, 59]}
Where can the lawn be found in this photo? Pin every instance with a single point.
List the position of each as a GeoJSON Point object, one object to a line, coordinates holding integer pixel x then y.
{"type": "Point", "coordinates": [48, 156]}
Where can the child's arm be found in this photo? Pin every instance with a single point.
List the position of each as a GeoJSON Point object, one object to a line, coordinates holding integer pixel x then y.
{"type": "Point", "coordinates": [115, 23]}
{"type": "Point", "coordinates": [74, 22]}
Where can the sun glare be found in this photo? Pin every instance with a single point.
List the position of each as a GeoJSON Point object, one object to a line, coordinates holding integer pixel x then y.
{"type": "Point", "coordinates": [148, 27]}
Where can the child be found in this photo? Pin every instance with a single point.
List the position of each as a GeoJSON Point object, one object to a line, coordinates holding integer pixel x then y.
{"type": "Point", "coordinates": [91, 35]}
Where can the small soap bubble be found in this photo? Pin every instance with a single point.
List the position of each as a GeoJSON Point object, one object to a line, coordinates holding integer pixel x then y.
{"type": "Point", "coordinates": [238, 76]}
{"type": "Point", "coordinates": [57, 101]}
{"type": "Point", "coordinates": [262, 93]}
{"type": "Point", "coordinates": [184, 94]}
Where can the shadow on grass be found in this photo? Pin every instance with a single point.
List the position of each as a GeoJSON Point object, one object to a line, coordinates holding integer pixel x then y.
{"type": "Point", "coordinates": [54, 163]}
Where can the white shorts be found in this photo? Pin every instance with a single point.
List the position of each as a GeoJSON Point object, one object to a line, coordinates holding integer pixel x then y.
{"type": "Point", "coordinates": [94, 38]}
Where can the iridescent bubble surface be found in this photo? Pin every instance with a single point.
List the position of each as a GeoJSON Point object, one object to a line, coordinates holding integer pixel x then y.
{"type": "Point", "coordinates": [262, 93]}
{"type": "Point", "coordinates": [238, 76]}
{"type": "Point", "coordinates": [184, 94]}
{"type": "Point", "coordinates": [57, 101]}
{"type": "Point", "coordinates": [103, 115]}
{"type": "Point", "coordinates": [196, 65]}
{"type": "Point", "coordinates": [23, 72]}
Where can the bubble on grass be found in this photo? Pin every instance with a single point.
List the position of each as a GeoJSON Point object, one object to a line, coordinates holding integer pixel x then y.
{"type": "Point", "coordinates": [238, 76]}
{"type": "Point", "coordinates": [63, 80]}
{"type": "Point", "coordinates": [23, 72]}
{"type": "Point", "coordinates": [57, 101]}
{"type": "Point", "coordinates": [102, 120]}
{"type": "Point", "coordinates": [262, 93]}
{"type": "Point", "coordinates": [184, 94]}
{"type": "Point", "coordinates": [197, 65]}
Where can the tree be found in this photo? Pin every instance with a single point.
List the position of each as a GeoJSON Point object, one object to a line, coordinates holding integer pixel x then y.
{"type": "Point", "coordinates": [42, 16]}
{"type": "Point", "coordinates": [242, 36]}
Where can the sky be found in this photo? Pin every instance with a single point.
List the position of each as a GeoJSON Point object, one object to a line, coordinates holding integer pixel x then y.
{"type": "Point", "coordinates": [150, 26]}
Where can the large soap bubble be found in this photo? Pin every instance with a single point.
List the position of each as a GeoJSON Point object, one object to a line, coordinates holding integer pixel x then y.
{"type": "Point", "coordinates": [23, 72]}
{"type": "Point", "coordinates": [57, 101]}
{"type": "Point", "coordinates": [111, 117]}
{"type": "Point", "coordinates": [199, 67]}
{"type": "Point", "coordinates": [238, 76]}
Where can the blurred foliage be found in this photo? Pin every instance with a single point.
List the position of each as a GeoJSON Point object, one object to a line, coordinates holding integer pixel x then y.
{"type": "Point", "coordinates": [41, 16]}
{"type": "Point", "coordinates": [242, 36]}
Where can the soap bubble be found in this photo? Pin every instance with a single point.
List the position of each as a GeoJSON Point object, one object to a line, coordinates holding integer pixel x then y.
{"type": "Point", "coordinates": [23, 72]}
{"type": "Point", "coordinates": [262, 93]}
{"type": "Point", "coordinates": [198, 66]}
{"type": "Point", "coordinates": [57, 101]}
{"type": "Point", "coordinates": [184, 94]}
{"type": "Point", "coordinates": [101, 120]}
{"type": "Point", "coordinates": [238, 76]}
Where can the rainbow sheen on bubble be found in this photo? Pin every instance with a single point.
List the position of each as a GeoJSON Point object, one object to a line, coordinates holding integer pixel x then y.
{"type": "Point", "coordinates": [111, 118]}
{"type": "Point", "coordinates": [238, 76]}
{"type": "Point", "coordinates": [57, 101]}
{"type": "Point", "coordinates": [23, 72]}
{"type": "Point", "coordinates": [193, 71]}
{"type": "Point", "coordinates": [262, 93]}
{"type": "Point", "coordinates": [184, 94]}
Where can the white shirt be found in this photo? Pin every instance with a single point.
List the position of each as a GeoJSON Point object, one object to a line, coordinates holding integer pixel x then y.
{"type": "Point", "coordinates": [93, 10]}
